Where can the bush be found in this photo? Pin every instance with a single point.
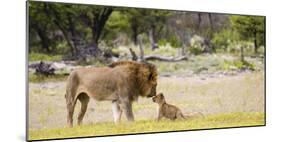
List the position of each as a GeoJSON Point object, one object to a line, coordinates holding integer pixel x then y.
{"type": "Point", "coordinates": [237, 64]}
{"type": "Point", "coordinates": [222, 39]}
{"type": "Point", "coordinates": [197, 45]}
{"type": "Point", "coordinates": [42, 78]}
{"type": "Point", "coordinates": [196, 49]}
{"type": "Point", "coordinates": [174, 41]}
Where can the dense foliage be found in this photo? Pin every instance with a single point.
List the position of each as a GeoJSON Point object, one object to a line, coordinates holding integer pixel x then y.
{"type": "Point", "coordinates": [76, 30]}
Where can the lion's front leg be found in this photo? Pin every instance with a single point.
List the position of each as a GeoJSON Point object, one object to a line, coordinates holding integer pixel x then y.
{"type": "Point", "coordinates": [127, 109]}
{"type": "Point", "coordinates": [117, 112]}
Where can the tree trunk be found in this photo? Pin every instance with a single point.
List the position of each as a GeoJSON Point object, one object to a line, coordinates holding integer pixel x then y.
{"type": "Point", "coordinates": [199, 21]}
{"type": "Point", "coordinates": [255, 43]}
{"type": "Point", "coordinates": [73, 33]}
{"type": "Point", "coordinates": [141, 47]}
{"type": "Point", "coordinates": [211, 21]}
{"type": "Point", "coordinates": [67, 37]}
{"type": "Point", "coordinates": [52, 11]}
{"type": "Point", "coordinates": [183, 50]}
{"type": "Point", "coordinates": [242, 53]}
{"type": "Point", "coordinates": [44, 40]}
{"type": "Point", "coordinates": [152, 37]}
{"type": "Point", "coordinates": [134, 55]}
{"type": "Point", "coordinates": [98, 23]}
{"type": "Point", "coordinates": [43, 37]}
{"type": "Point", "coordinates": [135, 34]}
{"type": "Point", "coordinates": [95, 37]}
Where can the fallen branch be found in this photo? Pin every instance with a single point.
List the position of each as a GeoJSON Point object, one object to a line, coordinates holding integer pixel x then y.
{"type": "Point", "coordinates": [156, 57]}
{"type": "Point", "coordinates": [167, 59]}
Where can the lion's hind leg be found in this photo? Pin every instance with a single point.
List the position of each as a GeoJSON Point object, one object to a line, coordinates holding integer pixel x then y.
{"type": "Point", "coordinates": [84, 99]}
{"type": "Point", "coordinates": [70, 110]}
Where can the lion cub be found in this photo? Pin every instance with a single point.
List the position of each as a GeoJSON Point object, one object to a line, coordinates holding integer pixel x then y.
{"type": "Point", "coordinates": [166, 110]}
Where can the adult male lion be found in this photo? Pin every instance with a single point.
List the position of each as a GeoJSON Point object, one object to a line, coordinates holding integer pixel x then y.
{"type": "Point", "coordinates": [121, 82]}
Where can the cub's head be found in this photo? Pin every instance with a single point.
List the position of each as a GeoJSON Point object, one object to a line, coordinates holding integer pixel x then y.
{"type": "Point", "coordinates": [159, 98]}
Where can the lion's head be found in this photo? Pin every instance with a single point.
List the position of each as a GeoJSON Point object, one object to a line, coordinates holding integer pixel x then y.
{"type": "Point", "coordinates": [145, 75]}
{"type": "Point", "coordinates": [148, 80]}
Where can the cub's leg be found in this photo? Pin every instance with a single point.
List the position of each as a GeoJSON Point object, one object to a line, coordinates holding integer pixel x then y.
{"type": "Point", "coordinates": [160, 116]}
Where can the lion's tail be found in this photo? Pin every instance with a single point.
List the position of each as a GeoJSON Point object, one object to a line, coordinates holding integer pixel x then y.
{"type": "Point", "coordinates": [193, 115]}
{"type": "Point", "coordinates": [71, 88]}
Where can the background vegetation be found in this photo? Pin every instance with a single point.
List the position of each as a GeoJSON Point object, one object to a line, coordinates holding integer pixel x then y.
{"type": "Point", "coordinates": [71, 32]}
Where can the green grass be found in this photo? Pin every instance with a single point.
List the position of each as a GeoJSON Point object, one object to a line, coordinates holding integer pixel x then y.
{"type": "Point", "coordinates": [43, 57]}
{"type": "Point", "coordinates": [146, 126]}
{"type": "Point", "coordinates": [37, 78]}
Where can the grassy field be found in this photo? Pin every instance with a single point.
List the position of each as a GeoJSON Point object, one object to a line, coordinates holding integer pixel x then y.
{"type": "Point", "coordinates": [43, 57]}
{"type": "Point", "coordinates": [146, 126]}
{"type": "Point", "coordinates": [225, 101]}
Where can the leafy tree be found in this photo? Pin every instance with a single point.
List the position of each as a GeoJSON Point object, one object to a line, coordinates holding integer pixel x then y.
{"type": "Point", "coordinates": [39, 25]}
{"type": "Point", "coordinates": [75, 22]}
{"type": "Point", "coordinates": [64, 17]}
{"type": "Point", "coordinates": [250, 28]}
{"type": "Point", "coordinates": [156, 20]}
{"type": "Point", "coordinates": [95, 18]}
{"type": "Point", "coordinates": [116, 26]}
{"type": "Point", "coordinates": [151, 22]}
{"type": "Point", "coordinates": [224, 38]}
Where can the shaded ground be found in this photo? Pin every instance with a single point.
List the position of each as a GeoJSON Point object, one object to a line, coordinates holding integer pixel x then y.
{"type": "Point", "coordinates": [209, 95]}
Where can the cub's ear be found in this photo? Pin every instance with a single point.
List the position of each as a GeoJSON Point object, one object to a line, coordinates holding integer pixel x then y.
{"type": "Point", "coordinates": [161, 95]}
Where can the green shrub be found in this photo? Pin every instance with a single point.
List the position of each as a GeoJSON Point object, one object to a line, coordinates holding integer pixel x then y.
{"type": "Point", "coordinates": [197, 45]}
{"type": "Point", "coordinates": [223, 39]}
{"type": "Point", "coordinates": [42, 78]}
{"type": "Point", "coordinates": [196, 49]}
{"type": "Point", "coordinates": [249, 65]}
{"type": "Point", "coordinates": [174, 41]}
{"type": "Point", "coordinates": [237, 64]}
